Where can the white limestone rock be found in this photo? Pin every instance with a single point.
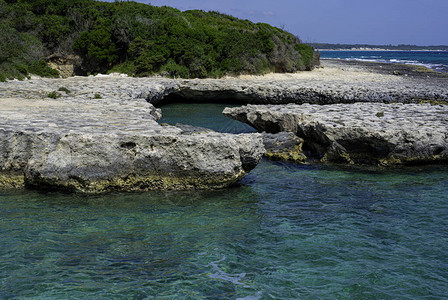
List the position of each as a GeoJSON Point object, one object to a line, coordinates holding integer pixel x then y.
{"type": "Point", "coordinates": [360, 133]}
{"type": "Point", "coordinates": [83, 144]}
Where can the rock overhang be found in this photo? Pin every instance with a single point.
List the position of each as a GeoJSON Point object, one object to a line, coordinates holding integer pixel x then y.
{"type": "Point", "coordinates": [114, 143]}
{"type": "Point", "coordinates": [83, 106]}
{"type": "Point", "coordinates": [360, 133]}
{"type": "Point", "coordinates": [335, 83]}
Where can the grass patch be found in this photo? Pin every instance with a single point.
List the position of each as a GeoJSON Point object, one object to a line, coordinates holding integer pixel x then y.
{"type": "Point", "coordinates": [64, 89]}
{"type": "Point", "coordinates": [433, 102]}
{"type": "Point", "coordinates": [53, 95]}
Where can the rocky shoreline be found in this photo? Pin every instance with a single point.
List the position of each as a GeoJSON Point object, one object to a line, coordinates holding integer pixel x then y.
{"type": "Point", "coordinates": [88, 142]}
{"type": "Point", "coordinates": [100, 134]}
{"type": "Point", "coordinates": [360, 133]}
{"type": "Point", "coordinates": [334, 82]}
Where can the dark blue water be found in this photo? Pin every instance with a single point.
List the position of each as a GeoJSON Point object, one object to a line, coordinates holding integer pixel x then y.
{"type": "Point", "coordinates": [287, 232]}
{"type": "Point", "coordinates": [437, 60]}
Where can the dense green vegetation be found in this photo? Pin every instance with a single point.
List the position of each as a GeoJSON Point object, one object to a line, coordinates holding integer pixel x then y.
{"type": "Point", "coordinates": [325, 46]}
{"type": "Point", "coordinates": [141, 39]}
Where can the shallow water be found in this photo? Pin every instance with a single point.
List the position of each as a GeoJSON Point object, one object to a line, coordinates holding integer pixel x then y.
{"type": "Point", "coordinates": [288, 231]}
{"type": "Point", "coordinates": [206, 115]}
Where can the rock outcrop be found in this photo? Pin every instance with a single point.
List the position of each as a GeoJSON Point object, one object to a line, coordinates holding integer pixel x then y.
{"type": "Point", "coordinates": [360, 133]}
{"type": "Point", "coordinates": [65, 65]}
{"type": "Point", "coordinates": [98, 136]}
{"type": "Point", "coordinates": [285, 146]}
{"type": "Point", "coordinates": [336, 82]}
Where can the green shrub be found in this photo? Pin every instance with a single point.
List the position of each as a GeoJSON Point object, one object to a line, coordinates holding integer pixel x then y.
{"type": "Point", "coordinates": [21, 68]}
{"type": "Point", "coordinates": [97, 96]}
{"type": "Point", "coordinates": [53, 29]}
{"type": "Point", "coordinates": [140, 39]}
{"type": "Point", "coordinates": [97, 49]}
{"type": "Point", "coordinates": [127, 67]}
{"type": "Point", "coordinates": [216, 73]}
{"type": "Point", "coordinates": [2, 78]}
{"type": "Point", "coordinates": [40, 68]}
{"type": "Point", "coordinates": [53, 95]}
{"type": "Point", "coordinates": [20, 76]}
{"type": "Point", "coordinates": [17, 51]}
{"type": "Point", "coordinates": [307, 55]}
{"type": "Point", "coordinates": [174, 70]}
{"type": "Point", "coordinates": [64, 89]}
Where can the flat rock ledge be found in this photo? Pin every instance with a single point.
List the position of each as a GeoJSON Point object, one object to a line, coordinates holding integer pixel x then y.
{"type": "Point", "coordinates": [335, 82]}
{"type": "Point", "coordinates": [360, 133]}
{"type": "Point", "coordinates": [101, 135]}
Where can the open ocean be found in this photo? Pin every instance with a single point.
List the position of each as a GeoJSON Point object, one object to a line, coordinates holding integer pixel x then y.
{"type": "Point", "coordinates": [288, 231]}
{"type": "Point", "coordinates": [436, 60]}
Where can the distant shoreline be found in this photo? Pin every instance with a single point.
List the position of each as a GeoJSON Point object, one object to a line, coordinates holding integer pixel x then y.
{"type": "Point", "coordinates": [382, 63]}
{"type": "Point", "coordinates": [367, 47]}
{"type": "Point", "coordinates": [378, 49]}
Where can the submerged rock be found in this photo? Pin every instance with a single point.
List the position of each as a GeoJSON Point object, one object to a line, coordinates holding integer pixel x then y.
{"type": "Point", "coordinates": [79, 143]}
{"type": "Point", "coordinates": [189, 129]}
{"type": "Point", "coordinates": [360, 133]}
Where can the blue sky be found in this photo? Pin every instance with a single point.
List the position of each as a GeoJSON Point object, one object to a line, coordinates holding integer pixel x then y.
{"type": "Point", "coordinates": [420, 22]}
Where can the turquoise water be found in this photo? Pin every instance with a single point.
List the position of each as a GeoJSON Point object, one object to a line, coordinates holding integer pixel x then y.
{"type": "Point", "coordinates": [206, 115]}
{"type": "Point", "coordinates": [437, 60]}
{"type": "Point", "coordinates": [286, 232]}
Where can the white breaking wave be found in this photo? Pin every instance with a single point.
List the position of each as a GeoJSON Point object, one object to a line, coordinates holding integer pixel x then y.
{"type": "Point", "coordinates": [437, 67]}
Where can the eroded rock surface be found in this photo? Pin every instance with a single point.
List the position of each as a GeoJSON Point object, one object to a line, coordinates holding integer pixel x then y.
{"type": "Point", "coordinates": [336, 82]}
{"type": "Point", "coordinates": [360, 133]}
{"type": "Point", "coordinates": [284, 146]}
{"type": "Point", "coordinates": [101, 135]}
